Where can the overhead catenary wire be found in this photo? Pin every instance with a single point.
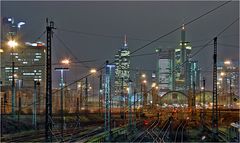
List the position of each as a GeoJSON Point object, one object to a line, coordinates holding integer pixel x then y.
{"type": "Point", "coordinates": [69, 50]}
{"type": "Point", "coordinates": [40, 36]}
{"type": "Point", "coordinates": [160, 37]}
{"type": "Point", "coordinates": [54, 64]}
{"type": "Point", "coordinates": [132, 38]}
{"type": "Point", "coordinates": [155, 53]}
{"type": "Point", "coordinates": [174, 30]}
{"type": "Point", "coordinates": [205, 45]}
{"type": "Point", "coordinates": [102, 35]}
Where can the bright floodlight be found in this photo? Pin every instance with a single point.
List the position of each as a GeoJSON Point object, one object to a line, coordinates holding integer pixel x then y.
{"type": "Point", "coordinates": [227, 62]}
{"type": "Point", "coordinates": [145, 81]}
{"type": "Point", "coordinates": [222, 73]}
{"type": "Point", "coordinates": [93, 71]}
{"type": "Point", "coordinates": [143, 75]}
{"type": "Point", "coordinates": [65, 61]}
{"type": "Point", "coordinates": [12, 43]}
{"type": "Point", "coordinates": [153, 84]}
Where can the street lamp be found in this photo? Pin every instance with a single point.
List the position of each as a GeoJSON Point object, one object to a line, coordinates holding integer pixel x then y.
{"type": "Point", "coordinates": [222, 73]}
{"type": "Point", "coordinates": [154, 95]}
{"type": "Point", "coordinates": [144, 81]}
{"type": "Point", "coordinates": [143, 75]}
{"type": "Point", "coordinates": [12, 44]}
{"type": "Point", "coordinates": [153, 85]}
{"type": "Point", "coordinates": [65, 62]}
{"type": "Point", "coordinates": [227, 62]}
{"type": "Point", "coordinates": [93, 71]}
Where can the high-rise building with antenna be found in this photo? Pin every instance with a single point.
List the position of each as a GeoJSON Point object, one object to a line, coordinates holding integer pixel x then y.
{"type": "Point", "coordinates": [176, 70]}
{"type": "Point", "coordinates": [182, 54]}
{"type": "Point", "coordinates": [122, 72]}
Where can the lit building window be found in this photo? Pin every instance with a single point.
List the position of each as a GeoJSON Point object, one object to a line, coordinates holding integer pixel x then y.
{"type": "Point", "coordinates": [15, 54]}
{"type": "Point", "coordinates": [38, 54]}
{"type": "Point", "coordinates": [28, 74]}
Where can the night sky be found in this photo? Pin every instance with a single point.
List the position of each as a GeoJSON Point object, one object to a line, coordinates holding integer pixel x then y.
{"type": "Point", "coordinates": [101, 27]}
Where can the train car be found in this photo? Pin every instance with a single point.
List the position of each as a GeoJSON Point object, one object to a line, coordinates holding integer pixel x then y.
{"type": "Point", "coordinates": [234, 132]}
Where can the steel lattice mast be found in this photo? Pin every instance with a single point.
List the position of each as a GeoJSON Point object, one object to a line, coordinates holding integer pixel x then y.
{"type": "Point", "coordinates": [214, 97]}
{"type": "Point", "coordinates": [48, 113]}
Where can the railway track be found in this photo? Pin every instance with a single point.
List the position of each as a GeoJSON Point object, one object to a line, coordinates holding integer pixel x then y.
{"type": "Point", "coordinates": [179, 135]}
{"type": "Point", "coordinates": [145, 132]}
{"type": "Point", "coordinates": [39, 136]}
{"type": "Point", "coordinates": [86, 136]}
{"type": "Point", "coordinates": [150, 132]}
{"type": "Point", "coordinates": [222, 136]}
{"type": "Point", "coordinates": [162, 131]}
{"type": "Point", "coordinates": [156, 132]}
{"type": "Point", "coordinates": [165, 130]}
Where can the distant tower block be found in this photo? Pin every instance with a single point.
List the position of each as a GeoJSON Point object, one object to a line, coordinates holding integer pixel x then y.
{"type": "Point", "coordinates": [122, 72]}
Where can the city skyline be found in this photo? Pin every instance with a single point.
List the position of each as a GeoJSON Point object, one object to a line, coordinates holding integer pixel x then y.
{"type": "Point", "coordinates": [110, 39]}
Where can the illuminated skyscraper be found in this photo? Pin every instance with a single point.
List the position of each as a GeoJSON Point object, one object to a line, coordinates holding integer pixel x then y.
{"type": "Point", "coordinates": [9, 30]}
{"type": "Point", "coordinates": [181, 58]}
{"type": "Point", "coordinates": [29, 59]}
{"type": "Point", "coordinates": [122, 72]}
{"type": "Point", "coordinates": [164, 70]}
